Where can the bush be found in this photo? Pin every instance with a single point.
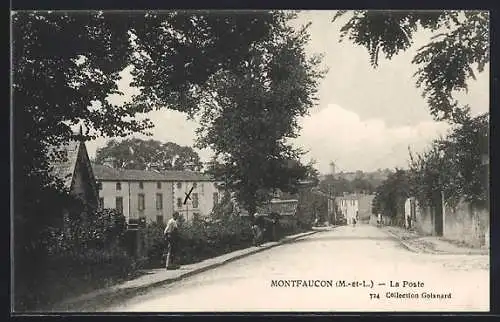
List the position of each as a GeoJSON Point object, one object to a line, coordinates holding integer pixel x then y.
{"type": "Point", "coordinates": [202, 238]}
{"type": "Point", "coordinates": [84, 254]}
{"type": "Point", "coordinates": [155, 244]}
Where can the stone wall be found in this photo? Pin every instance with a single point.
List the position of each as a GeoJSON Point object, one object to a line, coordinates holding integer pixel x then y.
{"type": "Point", "coordinates": [464, 223]}
{"type": "Point", "coordinates": [424, 220]}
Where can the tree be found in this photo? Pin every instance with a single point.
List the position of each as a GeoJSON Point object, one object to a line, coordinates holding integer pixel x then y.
{"type": "Point", "coordinates": [254, 111]}
{"type": "Point", "coordinates": [392, 194]}
{"type": "Point", "coordinates": [311, 172]}
{"type": "Point", "coordinates": [66, 65]}
{"type": "Point", "coordinates": [459, 49]}
{"type": "Point", "coordinates": [336, 186]}
{"type": "Point", "coordinates": [453, 165]}
{"type": "Point", "coordinates": [143, 154]}
{"type": "Point", "coordinates": [225, 208]}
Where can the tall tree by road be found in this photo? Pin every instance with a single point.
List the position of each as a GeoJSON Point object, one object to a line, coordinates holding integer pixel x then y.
{"type": "Point", "coordinates": [454, 165]}
{"type": "Point", "coordinates": [455, 54]}
{"type": "Point", "coordinates": [142, 154]}
{"type": "Point", "coordinates": [66, 64]}
{"type": "Point", "coordinates": [254, 111]}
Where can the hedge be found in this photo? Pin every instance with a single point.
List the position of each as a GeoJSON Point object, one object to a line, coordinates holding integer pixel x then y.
{"type": "Point", "coordinates": [201, 239]}
{"type": "Point", "coordinates": [84, 254]}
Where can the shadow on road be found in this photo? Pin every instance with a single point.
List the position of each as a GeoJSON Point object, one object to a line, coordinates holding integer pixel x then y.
{"type": "Point", "coordinates": [352, 237]}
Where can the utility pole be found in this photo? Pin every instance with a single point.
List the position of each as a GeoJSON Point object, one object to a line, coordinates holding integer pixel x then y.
{"type": "Point", "coordinates": [331, 203]}
{"type": "Point", "coordinates": [334, 205]}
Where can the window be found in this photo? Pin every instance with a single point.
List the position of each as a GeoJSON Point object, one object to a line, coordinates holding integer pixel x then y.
{"type": "Point", "coordinates": [141, 205]}
{"type": "Point", "coordinates": [118, 186]}
{"type": "Point", "coordinates": [179, 202]}
{"type": "Point", "coordinates": [141, 185]}
{"type": "Point", "coordinates": [216, 198]}
{"type": "Point", "coordinates": [158, 185]}
{"type": "Point", "coordinates": [159, 201]}
{"type": "Point", "coordinates": [119, 204]}
{"type": "Point", "coordinates": [101, 202]}
{"type": "Point", "coordinates": [179, 185]}
{"type": "Point", "coordinates": [159, 219]}
{"type": "Point", "coordinates": [99, 185]}
{"type": "Point", "coordinates": [195, 200]}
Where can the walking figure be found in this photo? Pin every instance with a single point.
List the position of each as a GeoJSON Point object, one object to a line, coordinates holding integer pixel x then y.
{"type": "Point", "coordinates": [172, 237]}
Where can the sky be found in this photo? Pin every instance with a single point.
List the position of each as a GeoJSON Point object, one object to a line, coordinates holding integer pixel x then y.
{"type": "Point", "coordinates": [365, 118]}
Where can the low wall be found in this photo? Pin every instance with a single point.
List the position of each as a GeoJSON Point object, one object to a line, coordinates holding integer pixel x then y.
{"type": "Point", "coordinates": [467, 224]}
{"type": "Point", "coordinates": [424, 223]}
{"type": "Point", "coordinates": [462, 223]}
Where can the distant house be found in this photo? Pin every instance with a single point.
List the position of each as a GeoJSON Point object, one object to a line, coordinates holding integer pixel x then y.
{"type": "Point", "coordinates": [154, 196]}
{"type": "Point", "coordinates": [73, 168]}
{"type": "Point", "coordinates": [352, 204]}
{"type": "Point", "coordinates": [348, 206]}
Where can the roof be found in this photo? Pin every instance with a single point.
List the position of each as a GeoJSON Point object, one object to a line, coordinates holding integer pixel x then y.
{"type": "Point", "coordinates": [63, 165]}
{"type": "Point", "coordinates": [348, 197]}
{"type": "Point", "coordinates": [355, 196]}
{"type": "Point", "coordinates": [106, 173]}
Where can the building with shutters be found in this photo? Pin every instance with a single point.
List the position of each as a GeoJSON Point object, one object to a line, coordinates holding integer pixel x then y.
{"type": "Point", "coordinates": [154, 196]}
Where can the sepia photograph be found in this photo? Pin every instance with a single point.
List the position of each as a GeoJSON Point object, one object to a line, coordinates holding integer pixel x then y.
{"type": "Point", "coordinates": [175, 161]}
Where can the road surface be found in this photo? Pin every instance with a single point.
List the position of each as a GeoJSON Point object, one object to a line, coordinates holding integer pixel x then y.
{"type": "Point", "coordinates": [345, 267]}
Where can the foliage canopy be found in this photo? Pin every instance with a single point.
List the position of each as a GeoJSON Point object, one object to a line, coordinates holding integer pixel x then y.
{"type": "Point", "coordinates": [458, 50]}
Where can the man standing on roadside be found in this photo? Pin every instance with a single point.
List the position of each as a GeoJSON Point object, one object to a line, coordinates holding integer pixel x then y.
{"type": "Point", "coordinates": [171, 234]}
{"type": "Point", "coordinates": [257, 230]}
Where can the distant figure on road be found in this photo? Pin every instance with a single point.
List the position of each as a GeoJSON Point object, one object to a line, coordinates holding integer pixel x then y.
{"type": "Point", "coordinates": [379, 220]}
{"type": "Point", "coordinates": [172, 237]}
